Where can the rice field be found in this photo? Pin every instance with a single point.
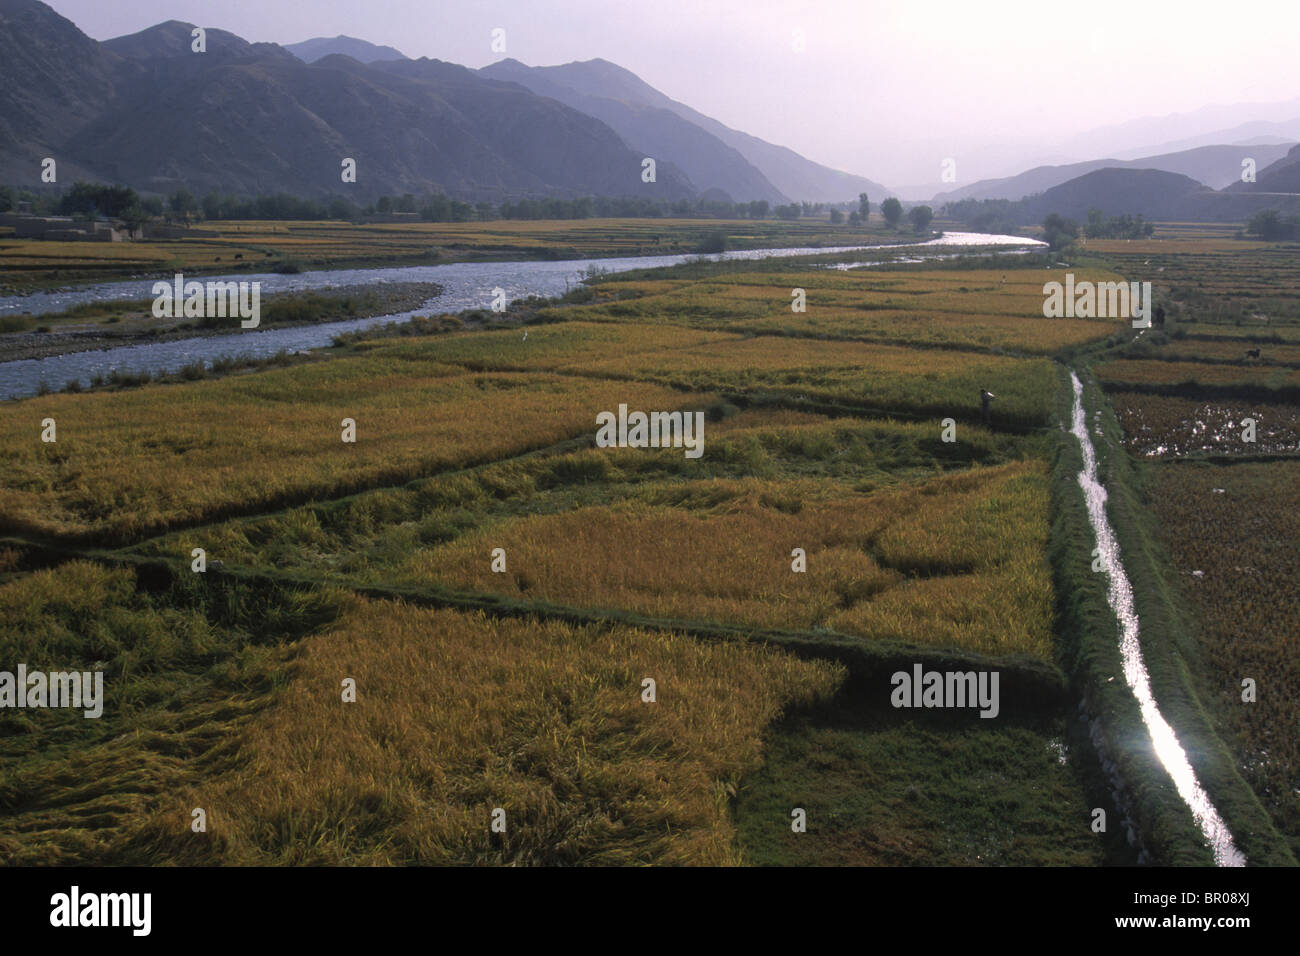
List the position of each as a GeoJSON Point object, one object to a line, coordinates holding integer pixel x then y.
{"type": "Point", "coordinates": [956, 561]}
{"type": "Point", "coordinates": [1151, 372]}
{"type": "Point", "coordinates": [1232, 532]}
{"type": "Point", "coordinates": [828, 439]}
{"type": "Point", "coordinates": [137, 462]}
{"type": "Point", "coordinates": [981, 310]}
{"type": "Point", "coordinates": [180, 676]}
{"type": "Point", "coordinates": [543, 722]}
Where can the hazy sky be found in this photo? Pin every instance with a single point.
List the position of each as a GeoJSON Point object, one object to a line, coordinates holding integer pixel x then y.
{"type": "Point", "coordinates": [884, 89]}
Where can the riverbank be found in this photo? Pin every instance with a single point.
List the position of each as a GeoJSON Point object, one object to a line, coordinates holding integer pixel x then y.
{"type": "Point", "coordinates": [248, 247]}
{"type": "Point", "coordinates": [123, 323]}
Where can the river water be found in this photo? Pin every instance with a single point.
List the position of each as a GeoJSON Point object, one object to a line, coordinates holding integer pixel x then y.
{"type": "Point", "coordinates": [1119, 593]}
{"type": "Point", "coordinates": [466, 285]}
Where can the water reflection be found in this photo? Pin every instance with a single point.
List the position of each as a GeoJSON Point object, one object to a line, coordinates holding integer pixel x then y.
{"type": "Point", "coordinates": [1120, 595]}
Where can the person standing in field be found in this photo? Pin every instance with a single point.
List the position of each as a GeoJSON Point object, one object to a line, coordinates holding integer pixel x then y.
{"type": "Point", "coordinates": [985, 398]}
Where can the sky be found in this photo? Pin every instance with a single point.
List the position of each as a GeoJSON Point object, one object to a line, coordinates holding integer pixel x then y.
{"type": "Point", "coordinates": [888, 90]}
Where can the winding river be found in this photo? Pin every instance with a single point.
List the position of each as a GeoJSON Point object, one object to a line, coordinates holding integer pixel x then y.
{"type": "Point", "coordinates": [466, 285]}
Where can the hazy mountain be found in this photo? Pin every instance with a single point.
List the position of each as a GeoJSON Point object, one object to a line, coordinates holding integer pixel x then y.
{"type": "Point", "coordinates": [252, 118]}
{"type": "Point", "coordinates": [1213, 166]}
{"type": "Point", "coordinates": [1283, 176]}
{"type": "Point", "coordinates": [1152, 192]}
{"type": "Point", "coordinates": [786, 170]}
{"type": "Point", "coordinates": [660, 133]}
{"type": "Point", "coordinates": [1216, 123]}
{"type": "Point", "coordinates": [317, 48]}
{"type": "Point", "coordinates": [175, 38]}
{"type": "Point", "coordinates": [1255, 133]}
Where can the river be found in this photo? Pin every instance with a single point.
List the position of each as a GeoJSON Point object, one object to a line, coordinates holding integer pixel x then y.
{"type": "Point", "coordinates": [466, 285]}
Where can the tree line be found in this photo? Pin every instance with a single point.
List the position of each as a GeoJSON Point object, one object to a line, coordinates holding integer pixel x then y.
{"type": "Point", "coordinates": [123, 202]}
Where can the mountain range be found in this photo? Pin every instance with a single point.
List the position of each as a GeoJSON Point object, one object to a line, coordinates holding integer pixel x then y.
{"type": "Point", "coordinates": [1213, 166]}
{"type": "Point", "coordinates": [309, 51]}
{"type": "Point", "coordinates": [248, 118]}
{"type": "Point", "coordinates": [244, 118]}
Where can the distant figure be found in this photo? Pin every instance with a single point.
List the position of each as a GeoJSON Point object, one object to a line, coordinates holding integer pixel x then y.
{"type": "Point", "coordinates": [985, 397]}
{"type": "Point", "coordinates": [525, 335]}
{"type": "Point", "coordinates": [1004, 278]}
{"type": "Point", "coordinates": [1252, 353]}
{"type": "Point", "coordinates": [1160, 315]}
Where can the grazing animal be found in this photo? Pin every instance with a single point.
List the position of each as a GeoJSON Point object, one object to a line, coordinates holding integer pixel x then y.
{"type": "Point", "coordinates": [1252, 353]}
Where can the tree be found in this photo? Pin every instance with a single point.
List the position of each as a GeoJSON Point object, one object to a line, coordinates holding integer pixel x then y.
{"type": "Point", "coordinates": [1059, 232]}
{"type": "Point", "coordinates": [920, 216]}
{"type": "Point", "coordinates": [182, 203]}
{"type": "Point", "coordinates": [1270, 225]}
{"type": "Point", "coordinates": [340, 208]}
{"type": "Point", "coordinates": [837, 216]}
{"type": "Point", "coordinates": [385, 205]}
{"type": "Point", "coordinates": [212, 205]}
{"type": "Point", "coordinates": [892, 210]}
{"type": "Point", "coordinates": [6, 199]}
{"type": "Point", "coordinates": [93, 199]}
{"type": "Point", "coordinates": [864, 206]}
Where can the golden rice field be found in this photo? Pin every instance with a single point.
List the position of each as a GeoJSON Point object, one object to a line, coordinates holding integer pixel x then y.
{"type": "Point", "coordinates": [975, 309]}
{"type": "Point", "coordinates": [135, 462]}
{"type": "Point", "coordinates": [176, 684]}
{"type": "Point", "coordinates": [457, 715]}
{"type": "Point", "coordinates": [936, 383]}
{"type": "Point", "coordinates": [955, 561]}
{"type": "Point", "coordinates": [924, 382]}
{"type": "Point", "coordinates": [361, 538]}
